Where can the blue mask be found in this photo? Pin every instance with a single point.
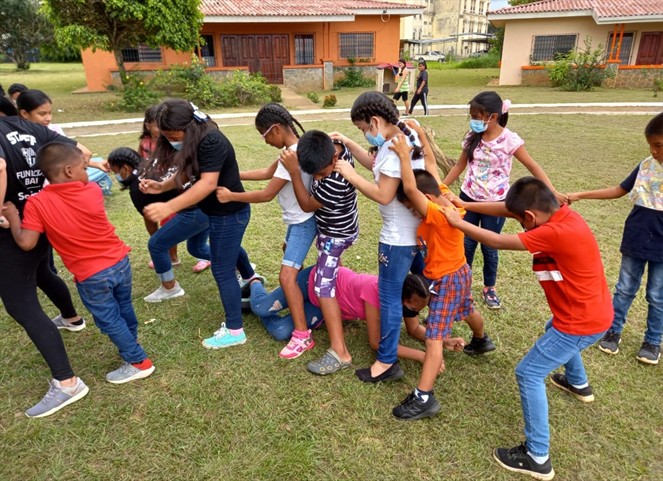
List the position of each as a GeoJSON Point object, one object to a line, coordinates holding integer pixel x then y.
{"type": "Point", "coordinates": [478, 126]}
{"type": "Point", "coordinates": [176, 145]}
{"type": "Point", "coordinates": [377, 141]}
{"type": "Point", "coordinates": [119, 178]}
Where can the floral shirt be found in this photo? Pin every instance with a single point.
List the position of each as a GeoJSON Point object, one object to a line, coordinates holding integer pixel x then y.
{"type": "Point", "coordinates": [487, 176]}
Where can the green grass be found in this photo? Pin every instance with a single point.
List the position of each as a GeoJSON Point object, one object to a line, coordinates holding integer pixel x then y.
{"type": "Point", "coordinates": [245, 414]}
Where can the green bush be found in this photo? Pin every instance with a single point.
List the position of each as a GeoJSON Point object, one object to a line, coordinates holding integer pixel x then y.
{"type": "Point", "coordinates": [489, 60]}
{"type": "Point", "coordinates": [354, 77]}
{"type": "Point", "coordinates": [579, 70]}
{"type": "Point", "coordinates": [313, 97]}
{"type": "Point", "coordinates": [330, 101]}
{"type": "Point", "coordinates": [275, 94]}
{"type": "Point", "coordinates": [136, 95]}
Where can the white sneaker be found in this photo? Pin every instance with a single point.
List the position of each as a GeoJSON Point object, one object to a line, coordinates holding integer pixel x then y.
{"type": "Point", "coordinates": [161, 294]}
{"type": "Point", "coordinates": [61, 323]}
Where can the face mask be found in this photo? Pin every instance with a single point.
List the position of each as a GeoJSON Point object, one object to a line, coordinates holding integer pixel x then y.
{"type": "Point", "coordinates": [407, 312]}
{"type": "Point", "coordinates": [377, 141]}
{"type": "Point", "coordinates": [478, 126]}
{"type": "Point", "coordinates": [119, 178]}
{"type": "Point", "coordinates": [176, 145]}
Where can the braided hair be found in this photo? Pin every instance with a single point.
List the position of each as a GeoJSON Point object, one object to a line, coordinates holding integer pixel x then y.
{"type": "Point", "coordinates": [374, 104]}
{"type": "Point", "coordinates": [273, 113]}
{"type": "Point", "coordinates": [484, 103]}
{"type": "Point", "coordinates": [122, 156]}
{"type": "Point", "coordinates": [414, 284]}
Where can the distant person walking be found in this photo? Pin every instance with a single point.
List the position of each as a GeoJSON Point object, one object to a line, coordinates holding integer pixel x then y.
{"type": "Point", "coordinates": [403, 84]}
{"type": "Point", "coordinates": [421, 93]}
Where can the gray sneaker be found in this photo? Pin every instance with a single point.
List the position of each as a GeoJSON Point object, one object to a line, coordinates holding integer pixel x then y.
{"type": "Point", "coordinates": [128, 372]}
{"type": "Point", "coordinates": [161, 294]}
{"type": "Point", "coordinates": [610, 342]}
{"type": "Point", "coordinates": [56, 398]}
{"type": "Point", "coordinates": [61, 323]}
{"type": "Point", "coordinates": [649, 353]}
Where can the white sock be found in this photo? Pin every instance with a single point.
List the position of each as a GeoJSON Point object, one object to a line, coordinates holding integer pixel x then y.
{"type": "Point", "coordinates": [538, 459]}
{"type": "Point", "coordinates": [580, 386]}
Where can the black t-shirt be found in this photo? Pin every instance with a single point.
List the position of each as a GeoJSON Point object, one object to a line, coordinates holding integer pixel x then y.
{"type": "Point", "coordinates": [141, 200]}
{"type": "Point", "coordinates": [422, 77]}
{"type": "Point", "coordinates": [19, 142]}
{"type": "Point", "coordinates": [216, 154]}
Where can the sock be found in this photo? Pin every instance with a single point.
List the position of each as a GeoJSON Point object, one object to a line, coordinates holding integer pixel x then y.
{"type": "Point", "coordinates": [538, 459]}
{"type": "Point", "coordinates": [422, 395]}
{"type": "Point", "coordinates": [142, 365]}
{"type": "Point", "coordinates": [580, 386]}
{"type": "Point", "coordinates": [236, 332]}
{"type": "Point", "coordinates": [301, 334]}
{"type": "Point", "coordinates": [77, 323]}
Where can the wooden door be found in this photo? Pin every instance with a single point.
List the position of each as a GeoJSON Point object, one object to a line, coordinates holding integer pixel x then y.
{"type": "Point", "coordinates": [266, 54]}
{"type": "Point", "coordinates": [651, 49]}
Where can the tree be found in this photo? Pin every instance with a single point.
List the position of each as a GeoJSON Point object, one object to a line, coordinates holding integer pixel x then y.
{"type": "Point", "coordinates": [513, 3]}
{"type": "Point", "coordinates": [113, 25]}
{"type": "Point", "coordinates": [24, 29]}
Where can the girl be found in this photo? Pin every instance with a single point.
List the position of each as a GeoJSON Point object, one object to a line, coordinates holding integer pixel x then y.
{"type": "Point", "coordinates": [377, 117]}
{"type": "Point", "coordinates": [403, 84]}
{"type": "Point", "coordinates": [205, 159]}
{"type": "Point", "coordinates": [277, 128]}
{"type": "Point", "coordinates": [190, 225]}
{"type": "Point", "coordinates": [147, 141]}
{"type": "Point", "coordinates": [422, 88]}
{"type": "Point", "coordinates": [488, 151]}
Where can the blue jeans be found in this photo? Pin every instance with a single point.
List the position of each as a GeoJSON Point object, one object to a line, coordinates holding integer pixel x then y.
{"type": "Point", "coordinates": [549, 352]}
{"type": "Point", "coordinates": [191, 226]}
{"type": "Point", "coordinates": [298, 240]}
{"type": "Point", "coordinates": [630, 276]}
{"type": "Point", "coordinates": [225, 234]}
{"type": "Point", "coordinates": [394, 264]}
{"type": "Point", "coordinates": [268, 305]}
{"type": "Point", "coordinates": [107, 295]}
{"type": "Point", "coordinates": [490, 255]}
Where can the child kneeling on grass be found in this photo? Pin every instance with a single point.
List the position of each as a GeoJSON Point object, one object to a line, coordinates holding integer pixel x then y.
{"type": "Point", "coordinates": [70, 211]}
{"type": "Point", "coordinates": [568, 265]}
{"type": "Point", "coordinates": [451, 277]}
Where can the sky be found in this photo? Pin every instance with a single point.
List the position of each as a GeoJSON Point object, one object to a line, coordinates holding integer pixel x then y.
{"type": "Point", "coordinates": [495, 4]}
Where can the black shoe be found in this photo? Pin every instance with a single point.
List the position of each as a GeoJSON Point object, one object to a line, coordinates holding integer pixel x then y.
{"type": "Point", "coordinates": [479, 345]}
{"type": "Point", "coordinates": [517, 460]}
{"type": "Point", "coordinates": [391, 374]}
{"type": "Point", "coordinates": [584, 394]}
{"type": "Point", "coordinates": [610, 342]}
{"type": "Point", "coordinates": [649, 353]}
{"type": "Point", "coordinates": [412, 408]}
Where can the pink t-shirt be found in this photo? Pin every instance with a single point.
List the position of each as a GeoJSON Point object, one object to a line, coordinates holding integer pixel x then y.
{"type": "Point", "coordinates": [487, 176]}
{"type": "Point", "coordinates": [352, 292]}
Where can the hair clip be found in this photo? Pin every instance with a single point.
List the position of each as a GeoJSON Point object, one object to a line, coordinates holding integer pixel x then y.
{"type": "Point", "coordinates": [505, 106]}
{"type": "Point", "coordinates": [198, 115]}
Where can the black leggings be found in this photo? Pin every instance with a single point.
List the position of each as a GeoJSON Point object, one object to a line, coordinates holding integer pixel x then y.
{"type": "Point", "coordinates": [424, 101]}
{"type": "Point", "coordinates": [22, 272]}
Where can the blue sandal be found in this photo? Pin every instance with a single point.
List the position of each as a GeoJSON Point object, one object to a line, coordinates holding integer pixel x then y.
{"type": "Point", "coordinates": [327, 364]}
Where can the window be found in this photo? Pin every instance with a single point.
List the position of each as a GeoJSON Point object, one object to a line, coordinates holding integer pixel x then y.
{"type": "Point", "coordinates": [546, 47]}
{"type": "Point", "coordinates": [304, 53]}
{"type": "Point", "coordinates": [356, 45]}
{"type": "Point", "coordinates": [142, 53]}
{"type": "Point", "coordinates": [624, 52]}
{"type": "Point", "coordinates": [206, 50]}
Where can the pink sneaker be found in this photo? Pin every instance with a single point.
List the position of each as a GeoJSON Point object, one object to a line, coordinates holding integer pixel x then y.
{"type": "Point", "coordinates": [201, 265]}
{"type": "Point", "coordinates": [296, 347]}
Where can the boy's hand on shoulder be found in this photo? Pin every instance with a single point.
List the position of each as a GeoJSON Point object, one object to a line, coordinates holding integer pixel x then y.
{"type": "Point", "coordinates": [223, 194]}
{"type": "Point", "coordinates": [289, 160]}
{"type": "Point", "coordinates": [400, 146]}
{"type": "Point", "coordinates": [451, 197]}
{"type": "Point", "coordinates": [453, 216]}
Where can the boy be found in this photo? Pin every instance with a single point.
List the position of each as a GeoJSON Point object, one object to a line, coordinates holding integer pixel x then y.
{"type": "Point", "coordinates": [568, 265]}
{"type": "Point", "coordinates": [334, 201]}
{"type": "Point", "coordinates": [451, 288]}
{"type": "Point", "coordinates": [642, 244]}
{"type": "Point", "coordinates": [70, 211]}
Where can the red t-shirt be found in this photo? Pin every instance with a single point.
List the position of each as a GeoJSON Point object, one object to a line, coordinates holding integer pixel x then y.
{"type": "Point", "coordinates": [568, 265]}
{"type": "Point", "coordinates": [73, 217]}
{"type": "Point", "coordinates": [352, 292]}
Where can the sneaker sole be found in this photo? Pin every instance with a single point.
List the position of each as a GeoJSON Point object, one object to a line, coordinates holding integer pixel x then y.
{"type": "Point", "coordinates": [296, 354]}
{"type": "Point", "coordinates": [645, 360]}
{"type": "Point", "coordinates": [73, 399]}
{"type": "Point", "coordinates": [608, 351]}
{"type": "Point", "coordinates": [542, 476]}
{"type": "Point", "coordinates": [493, 307]}
{"type": "Point", "coordinates": [179, 294]}
{"type": "Point", "coordinates": [479, 353]}
{"type": "Point", "coordinates": [72, 328]}
{"type": "Point", "coordinates": [216, 348]}
{"type": "Point", "coordinates": [139, 375]}
{"type": "Point", "coordinates": [585, 399]}
{"type": "Point", "coordinates": [426, 414]}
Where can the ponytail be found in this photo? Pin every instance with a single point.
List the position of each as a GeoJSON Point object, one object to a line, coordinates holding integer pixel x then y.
{"type": "Point", "coordinates": [486, 103]}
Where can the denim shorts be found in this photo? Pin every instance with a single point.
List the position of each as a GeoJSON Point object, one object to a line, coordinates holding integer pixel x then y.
{"type": "Point", "coordinates": [298, 240]}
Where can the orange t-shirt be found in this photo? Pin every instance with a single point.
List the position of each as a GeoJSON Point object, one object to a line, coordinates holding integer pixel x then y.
{"type": "Point", "coordinates": [441, 244]}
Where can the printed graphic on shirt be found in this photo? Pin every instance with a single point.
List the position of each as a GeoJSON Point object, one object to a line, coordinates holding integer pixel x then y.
{"type": "Point", "coordinates": [29, 177]}
{"type": "Point", "coordinates": [545, 268]}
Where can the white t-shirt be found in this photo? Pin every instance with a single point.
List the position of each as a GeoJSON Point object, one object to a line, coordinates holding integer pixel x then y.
{"type": "Point", "coordinates": [292, 213]}
{"type": "Point", "coordinates": [399, 224]}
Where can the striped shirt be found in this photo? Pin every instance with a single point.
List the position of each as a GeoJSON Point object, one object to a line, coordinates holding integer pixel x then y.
{"type": "Point", "coordinates": [338, 215]}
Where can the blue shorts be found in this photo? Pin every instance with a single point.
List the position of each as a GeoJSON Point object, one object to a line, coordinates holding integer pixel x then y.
{"type": "Point", "coordinates": [298, 240]}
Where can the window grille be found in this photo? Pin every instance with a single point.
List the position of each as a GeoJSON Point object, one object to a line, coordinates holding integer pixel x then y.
{"type": "Point", "coordinates": [142, 53]}
{"type": "Point", "coordinates": [356, 45]}
{"type": "Point", "coordinates": [547, 47]}
{"type": "Point", "coordinates": [304, 52]}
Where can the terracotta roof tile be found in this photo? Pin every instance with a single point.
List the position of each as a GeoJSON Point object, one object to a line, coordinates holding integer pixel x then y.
{"type": "Point", "coordinates": [269, 8]}
{"type": "Point", "coordinates": [600, 8]}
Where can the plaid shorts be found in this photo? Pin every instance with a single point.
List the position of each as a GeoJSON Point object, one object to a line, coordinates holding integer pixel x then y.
{"type": "Point", "coordinates": [451, 300]}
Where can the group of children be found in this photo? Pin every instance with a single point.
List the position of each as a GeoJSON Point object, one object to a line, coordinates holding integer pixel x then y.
{"type": "Point", "coordinates": [426, 230]}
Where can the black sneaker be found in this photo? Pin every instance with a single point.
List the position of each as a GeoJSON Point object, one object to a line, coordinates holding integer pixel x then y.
{"type": "Point", "coordinates": [584, 394]}
{"type": "Point", "coordinates": [517, 460]}
{"type": "Point", "coordinates": [392, 374]}
{"type": "Point", "coordinates": [649, 353]}
{"type": "Point", "coordinates": [479, 345]}
{"type": "Point", "coordinates": [412, 408]}
{"type": "Point", "coordinates": [610, 342]}
{"type": "Point", "coordinates": [491, 299]}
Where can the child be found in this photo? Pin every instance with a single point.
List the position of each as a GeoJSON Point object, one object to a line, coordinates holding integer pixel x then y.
{"type": "Point", "coordinates": [334, 201]}
{"type": "Point", "coordinates": [422, 88]}
{"type": "Point", "coordinates": [147, 142]}
{"type": "Point", "coordinates": [568, 265]}
{"type": "Point", "coordinates": [70, 211]}
{"type": "Point", "coordinates": [403, 84]}
{"type": "Point", "coordinates": [642, 243]}
{"type": "Point", "coordinates": [277, 128]}
{"type": "Point", "coordinates": [488, 151]}
{"type": "Point", "coordinates": [451, 278]}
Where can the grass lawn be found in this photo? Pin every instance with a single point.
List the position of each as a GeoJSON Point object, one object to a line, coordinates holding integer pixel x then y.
{"type": "Point", "coordinates": [245, 414]}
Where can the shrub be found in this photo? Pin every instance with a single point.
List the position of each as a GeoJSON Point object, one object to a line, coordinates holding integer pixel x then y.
{"type": "Point", "coordinates": [354, 77]}
{"type": "Point", "coordinates": [136, 95]}
{"type": "Point", "coordinates": [313, 97]}
{"type": "Point", "coordinates": [488, 60]}
{"type": "Point", "coordinates": [329, 101]}
{"type": "Point", "coordinates": [275, 93]}
{"type": "Point", "coordinates": [579, 70]}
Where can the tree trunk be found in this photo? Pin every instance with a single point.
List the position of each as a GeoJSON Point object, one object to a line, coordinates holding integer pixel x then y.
{"type": "Point", "coordinates": [120, 65]}
{"type": "Point", "coordinates": [20, 58]}
{"type": "Point", "coordinates": [444, 162]}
